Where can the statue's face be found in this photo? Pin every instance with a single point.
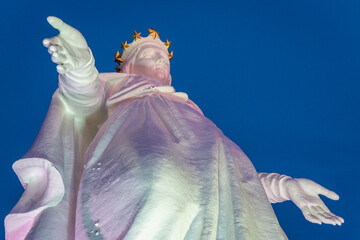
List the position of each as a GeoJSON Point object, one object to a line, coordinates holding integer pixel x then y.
{"type": "Point", "coordinates": [152, 61]}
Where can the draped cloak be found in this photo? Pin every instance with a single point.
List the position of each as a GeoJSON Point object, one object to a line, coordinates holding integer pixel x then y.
{"type": "Point", "coordinates": [147, 165]}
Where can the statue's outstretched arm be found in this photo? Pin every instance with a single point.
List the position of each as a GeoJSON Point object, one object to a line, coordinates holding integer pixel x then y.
{"type": "Point", "coordinates": [78, 77]}
{"type": "Point", "coordinates": [304, 193]}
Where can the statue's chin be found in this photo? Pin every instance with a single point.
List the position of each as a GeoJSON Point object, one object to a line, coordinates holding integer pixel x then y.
{"type": "Point", "coordinates": [161, 76]}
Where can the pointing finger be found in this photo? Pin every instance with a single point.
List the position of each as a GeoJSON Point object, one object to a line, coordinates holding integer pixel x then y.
{"type": "Point", "coordinates": [55, 22]}
{"type": "Point", "coordinates": [58, 24]}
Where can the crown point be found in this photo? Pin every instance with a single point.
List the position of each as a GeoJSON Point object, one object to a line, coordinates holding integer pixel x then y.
{"type": "Point", "coordinates": [118, 58]}
{"type": "Point", "coordinates": [171, 54]}
{"type": "Point", "coordinates": [153, 33]}
{"type": "Point", "coordinates": [124, 45]}
{"type": "Point", "coordinates": [167, 43]}
{"type": "Point", "coordinates": [136, 35]}
{"type": "Point", "coordinates": [117, 69]}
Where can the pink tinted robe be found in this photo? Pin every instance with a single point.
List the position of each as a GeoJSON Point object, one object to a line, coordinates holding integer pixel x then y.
{"type": "Point", "coordinates": [141, 162]}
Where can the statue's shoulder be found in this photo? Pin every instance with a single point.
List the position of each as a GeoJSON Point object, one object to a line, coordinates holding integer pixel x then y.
{"type": "Point", "coordinates": [113, 82]}
{"type": "Point", "coordinates": [111, 76]}
{"type": "Point", "coordinates": [114, 78]}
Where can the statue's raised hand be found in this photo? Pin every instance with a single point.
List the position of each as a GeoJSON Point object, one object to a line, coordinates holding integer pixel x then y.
{"type": "Point", "coordinates": [68, 49]}
{"type": "Point", "coordinates": [305, 194]}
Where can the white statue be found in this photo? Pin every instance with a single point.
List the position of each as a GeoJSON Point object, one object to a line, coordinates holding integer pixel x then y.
{"type": "Point", "coordinates": [123, 156]}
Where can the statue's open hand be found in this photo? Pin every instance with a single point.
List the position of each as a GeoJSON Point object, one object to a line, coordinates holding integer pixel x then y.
{"type": "Point", "coordinates": [68, 49]}
{"type": "Point", "coordinates": [305, 194]}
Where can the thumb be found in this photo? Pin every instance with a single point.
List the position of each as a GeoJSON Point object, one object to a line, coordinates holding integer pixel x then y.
{"type": "Point", "coordinates": [58, 24]}
{"type": "Point", "coordinates": [326, 192]}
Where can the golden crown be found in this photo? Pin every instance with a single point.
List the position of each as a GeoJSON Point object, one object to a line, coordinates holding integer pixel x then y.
{"type": "Point", "coordinates": [152, 38]}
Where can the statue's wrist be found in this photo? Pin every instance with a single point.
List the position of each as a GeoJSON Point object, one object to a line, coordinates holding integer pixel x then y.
{"type": "Point", "coordinates": [89, 59]}
{"type": "Point", "coordinates": [86, 70]}
{"type": "Point", "coordinates": [86, 63]}
{"type": "Point", "coordinates": [289, 185]}
{"type": "Point", "coordinates": [285, 186]}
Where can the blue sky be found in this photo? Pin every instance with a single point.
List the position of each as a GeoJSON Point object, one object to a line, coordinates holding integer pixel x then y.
{"type": "Point", "coordinates": [279, 78]}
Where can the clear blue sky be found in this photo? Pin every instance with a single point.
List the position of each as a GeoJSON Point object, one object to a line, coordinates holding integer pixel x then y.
{"type": "Point", "coordinates": [280, 78]}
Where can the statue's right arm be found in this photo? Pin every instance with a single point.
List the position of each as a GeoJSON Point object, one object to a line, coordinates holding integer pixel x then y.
{"type": "Point", "coordinates": [304, 193]}
{"type": "Point", "coordinates": [80, 89]}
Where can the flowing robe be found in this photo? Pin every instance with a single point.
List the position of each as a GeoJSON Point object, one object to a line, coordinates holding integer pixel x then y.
{"type": "Point", "coordinates": [157, 168]}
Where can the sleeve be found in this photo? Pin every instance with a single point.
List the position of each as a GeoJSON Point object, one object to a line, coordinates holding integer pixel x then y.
{"type": "Point", "coordinates": [275, 186]}
{"type": "Point", "coordinates": [46, 172]}
{"type": "Point", "coordinates": [44, 189]}
{"type": "Point", "coordinates": [81, 91]}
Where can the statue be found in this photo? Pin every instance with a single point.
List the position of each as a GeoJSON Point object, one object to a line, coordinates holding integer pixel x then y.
{"type": "Point", "coordinates": [123, 156]}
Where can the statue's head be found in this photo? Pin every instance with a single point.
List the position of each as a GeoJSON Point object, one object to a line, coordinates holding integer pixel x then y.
{"type": "Point", "coordinates": [146, 56]}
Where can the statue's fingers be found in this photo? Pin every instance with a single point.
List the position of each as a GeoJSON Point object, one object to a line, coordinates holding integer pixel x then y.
{"type": "Point", "coordinates": [51, 41]}
{"type": "Point", "coordinates": [55, 59]}
{"type": "Point", "coordinates": [58, 24]}
{"type": "Point", "coordinates": [55, 48]}
{"type": "Point", "coordinates": [330, 219]}
{"type": "Point", "coordinates": [325, 210]}
{"type": "Point", "coordinates": [324, 216]}
{"type": "Point", "coordinates": [326, 219]}
{"type": "Point", "coordinates": [58, 58]}
{"type": "Point", "coordinates": [323, 207]}
{"type": "Point", "coordinates": [60, 69]}
{"type": "Point", "coordinates": [59, 49]}
{"type": "Point", "coordinates": [62, 57]}
{"type": "Point", "coordinates": [46, 42]}
{"type": "Point", "coordinates": [330, 215]}
{"type": "Point", "coordinates": [320, 216]}
{"type": "Point", "coordinates": [338, 219]}
{"type": "Point", "coordinates": [63, 68]}
{"type": "Point", "coordinates": [52, 49]}
{"type": "Point", "coordinates": [312, 218]}
{"type": "Point", "coordinates": [309, 216]}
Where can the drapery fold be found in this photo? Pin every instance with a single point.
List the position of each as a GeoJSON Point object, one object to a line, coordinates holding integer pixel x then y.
{"type": "Point", "coordinates": [44, 188]}
{"type": "Point", "coordinates": [155, 169]}
{"type": "Point", "coordinates": [48, 172]}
